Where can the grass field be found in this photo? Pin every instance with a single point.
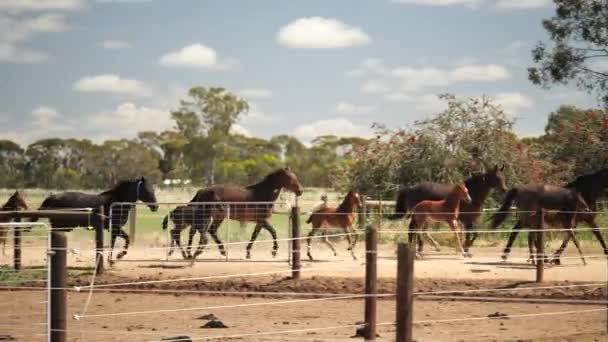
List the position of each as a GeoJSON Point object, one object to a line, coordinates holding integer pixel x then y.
{"type": "Point", "coordinates": [149, 229]}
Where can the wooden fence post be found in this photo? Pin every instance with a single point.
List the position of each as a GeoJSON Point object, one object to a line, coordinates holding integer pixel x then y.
{"type": "Point", "coordinates": [405, 292]}
{"type": "Point", "coordinates": [540, 247]}
{"type": "Point", "coordinates": [295, 243]}
{"type": "Point", "coordinates": [99, 222]}
{"type": "Point", "coordinates": [371, 244]}
{"type": "Point", "coordinates": [57, 292]}
{"type": "Point", "coordinates": [17, 247]}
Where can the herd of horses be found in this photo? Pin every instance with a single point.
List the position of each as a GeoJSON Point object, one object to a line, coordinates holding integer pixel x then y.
{"type": "Point", "coordinates": [457, 205]}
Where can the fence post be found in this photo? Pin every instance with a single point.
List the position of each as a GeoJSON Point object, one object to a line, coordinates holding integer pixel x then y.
{"type": "Point", "coordinates": [405, 292]}
{"type": "Point", "coordinates": [295, 243]}
{"type": "Point", "coordinates": [540, 247]}
{"type": "Point", "coordinates": [99, 239]}
{"type": "Point", "coordinates": [371, 244]}
{"type": "Point", "coordinates": [57, 291]}
{"type": "Point", "coordinates": [17, 247]}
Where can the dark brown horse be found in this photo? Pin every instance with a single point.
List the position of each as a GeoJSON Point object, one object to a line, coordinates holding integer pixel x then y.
{"type": "Point", "coordinates": [343, 217]}
{"type": "Point", "coordinates": [244, 204]}
{"type": "Point", "coordinates": [479, 186]}
{"type": "Point", "coordinates": [15, 202]}
{"type": "Point", "coordinates": [446, 210]}
{"type": "Point", "coordinates": [591, 187]}
{"type": "Point", "coordinates": [127, 191]}
{"type": "Point", "coordinates": [529, 199]}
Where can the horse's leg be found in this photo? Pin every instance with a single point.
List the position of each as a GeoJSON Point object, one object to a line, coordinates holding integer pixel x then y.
{"type": "Point", "coordinates": [570, 225]}
{"type": "Point", "coordinates": [532, 241]}
{"type": "Point", "coordinates": [273, 233]}
{"type": "Point", "coordinates": [454, 226]}
{"type": "Point", "coordinates": [351, 246]}
{"type": "Point", "coordinates": [112, 242]}
{"type": "Point", "coordinates": [328, 243]}
{"type": "Point", "coordinates": [215, 225]}
{"type": "Point", "coordinates": [125, 237]}
{"type": "Point", "coordinates": [429, 237]}
{"type": "Point", "coordinates": [190, 238]}
{"type": "Point", "coordinates": [308, 241]}
{"type": "Point", "coordinates": [598, 233]}
{"type": "Point", "coordinates": [175, 239]}
{"type": "Point", "coordinates": [469, 237]}
{"type": "Point", "coordinates": [512, 236]}
{"type": "Point", "coordinates": [254, 236]}
{"type": "Point", "coordinates": [202, 240]}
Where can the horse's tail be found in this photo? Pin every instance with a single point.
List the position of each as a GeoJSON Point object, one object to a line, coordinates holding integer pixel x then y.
{"type": "Point", "coordinates": [503, 212]}
{"type": "Point", "coordinates": [166, 222]}
{"type": "Point", "coordinates": [400, 206]}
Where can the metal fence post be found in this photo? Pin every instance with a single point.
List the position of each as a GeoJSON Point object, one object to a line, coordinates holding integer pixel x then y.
{"type": "Point", "coordinates": [371, 244]}
{"type": "Point", "coordinates": [57, 291]}
{"type": "Point", "coordinates": [295, 243]}
{"type": "Point", "coordinates": [540, 243]}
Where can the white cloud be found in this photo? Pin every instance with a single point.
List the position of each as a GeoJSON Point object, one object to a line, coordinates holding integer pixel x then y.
{"type": "Point", "coordinates": [13, 54]}
{"type": "Point", "coordinates": [255, 93]}
{"type": "Point", "coordinates": [16, 6]}
{"type": "Point", "coordinates": [339, 126]}
{"type": "Point", "coordinates": [115, 44]}
{"type": "Point", "coordinates": [513, 102]}
{"type": "Point", "coordinates": [375, 87]}
{"type": "Point", "coordinates": [44, 115]}
{"type": "Point", "coordinates": [110, 83]}
{"type": "Point", "coordinates": [256, 116]}
{"type": "Point", "coordinates": [479, 73]}
{"type": "Point", "coordinates": [321, 33]}
{"type": "Point", "coordinates": [474, 4]}
{"type": "Point", "coordinates": [347, 108]}
{"type": "Point", "coordinates": [238, 129]}
{"type": "Point", "coordinates": [398, 97]}
{"type": "Point", "coordinates": [468, 3]}
{"type": "Point", "coordinates": [384, 79]}
{"type": "Point", "coordinates": [522, 4]}
{"type": "Point", "coordinates": [132, 119]}
{"type": "Point", "coordinates": [198, 56]}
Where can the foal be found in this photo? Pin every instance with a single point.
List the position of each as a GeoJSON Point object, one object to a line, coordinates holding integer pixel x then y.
{"type": "Point", "coordinates": [446, 210]}
{"type": "Point", "coordinates": [343, 216]}
{"type": "Point", "coordinates": [15, 202]}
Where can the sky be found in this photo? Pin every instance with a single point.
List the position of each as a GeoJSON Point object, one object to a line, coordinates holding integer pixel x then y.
{"type": "Point", "coordinates": [107, 69]}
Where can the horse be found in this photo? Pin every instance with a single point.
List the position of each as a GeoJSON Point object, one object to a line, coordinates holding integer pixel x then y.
{"type": "Point", "coordinates": [529, 199]}
{"type": "Point", "coordinates": [445, 210]}
{"type": "Point", "coordinates": [15, 202]}
{"type": "Point", "coordinates": [184, 216]}
{"type": "Point", "coordinates": [343, 216]}
{"type": "Point", "coordinates": [126, 191]}
{"type": "Point", "coordinates": [590, 187]}
{"type": "Point", "coordinates": [252, 203]}
{"type": "Point", "coordinates": [479, 186]}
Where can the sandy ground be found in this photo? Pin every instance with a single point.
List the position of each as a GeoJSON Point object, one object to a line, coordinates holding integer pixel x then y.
{"type": "Point", "coordinates": [310, 317]}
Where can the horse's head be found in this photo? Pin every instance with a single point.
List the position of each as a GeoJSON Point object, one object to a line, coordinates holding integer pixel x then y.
{"type": "Point", "coordinates": [494, 178]}
{"type": "Point", "coordinates": [287, 179]}
{"type": "Point", "coordinates": [354, 198]}
{"type": "Point", "coordinates": [144, 191]}
{"type": "Point", "coordinates": [463, 193]}
{"type": "Point", "coordinates": [17, 201]}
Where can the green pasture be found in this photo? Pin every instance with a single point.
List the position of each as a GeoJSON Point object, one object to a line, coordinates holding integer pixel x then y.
{"type": "Point", "coordinates": [149, 231]}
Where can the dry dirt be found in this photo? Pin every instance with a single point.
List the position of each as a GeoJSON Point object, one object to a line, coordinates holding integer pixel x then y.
{"type": "Point", "coordinates": [22, 310]}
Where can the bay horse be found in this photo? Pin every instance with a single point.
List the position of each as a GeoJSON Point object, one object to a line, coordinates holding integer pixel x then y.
{"type": "Point", "coordinates": [343, 217]}
{"type": "Point", "coordinates": [446, 210]}
{"type": "Point", "coordinates": [184, 216]}
{"type": "Point", "coordinates": [529, 199]}
{"type": "Point", "coordinates": [15, 202]}
{"type": "Point", "coordinates": [126, 191]}
{"type": "Point", "coordinates": [252, 203]}
{"type": "Point", "coordinates": [479, 186]}
{"type": "Point", "coordinates": [591, 187]}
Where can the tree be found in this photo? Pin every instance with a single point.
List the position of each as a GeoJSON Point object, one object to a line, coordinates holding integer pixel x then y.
{"type": "Point", "coordinates": [12, 161]}
{"type": "Point", "coordinates": [578, 31]}
{"type": "Point", "coordinates": [577, 140]}
{"type": "Point", "coordinates": [205, 121]}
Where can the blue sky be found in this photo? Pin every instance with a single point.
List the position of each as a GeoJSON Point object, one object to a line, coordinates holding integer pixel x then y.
{"type": "Point", "coordinates": [110, 68]}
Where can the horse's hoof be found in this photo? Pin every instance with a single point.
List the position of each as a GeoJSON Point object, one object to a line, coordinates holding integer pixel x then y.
{"type": "Point", "coordinates": [504, 257]}
{"type": "Point", "coordinates": [310, 257]}
{"type": "Point", "coordinates": [556, 261]}
{"type": "Point", "coordinates": [121, 255]}
{"type": "Point", "coordinates": [248, 256]}
{"type": "Point", "coordinates": [223, 253]}
{"type": "Point", "coordinates": [274, 253]}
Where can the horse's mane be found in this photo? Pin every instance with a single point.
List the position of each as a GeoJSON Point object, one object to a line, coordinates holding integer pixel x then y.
{"type": "Point", "coordinates": [342, 207]}
{"type": "Point", "coordinates": [121, 185]}
{"type": "Point", "coordinates": [265, 180]}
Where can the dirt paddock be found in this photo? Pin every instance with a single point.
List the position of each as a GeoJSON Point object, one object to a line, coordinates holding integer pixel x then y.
{"type": "Point", "coordinates": [148, 301]}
